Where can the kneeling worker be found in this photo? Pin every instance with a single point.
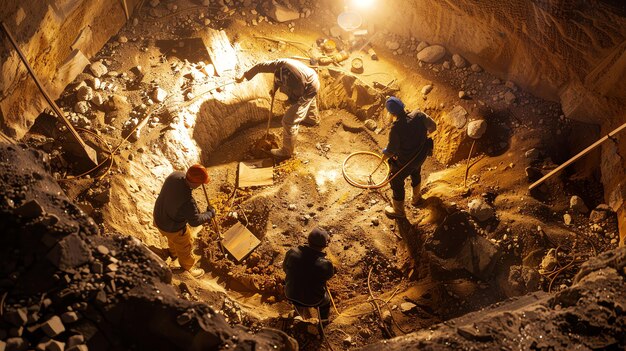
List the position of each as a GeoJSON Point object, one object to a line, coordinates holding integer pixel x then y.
{"type": "Point", "coordinates": [175, 210]}
{"type": "Point", "coordinates": [307, 271]}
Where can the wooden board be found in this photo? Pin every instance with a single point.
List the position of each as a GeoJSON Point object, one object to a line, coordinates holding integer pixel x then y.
{"type": "Point", "coordinates": [239, 241]}
{"type": "Point", "coordinates": [256, 173]}
{"type": "Point", "coordinates": [222, 53]}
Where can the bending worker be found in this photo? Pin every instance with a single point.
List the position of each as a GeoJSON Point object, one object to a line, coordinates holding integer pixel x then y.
{"type": "Point", "coordinates": [409, 145]}
{"type": "Point", "coordinates": [301, 84]}
{"type": "Point", "coordinates": [307, 271]}
{"type": "Point", "coordinates": [175, 210]}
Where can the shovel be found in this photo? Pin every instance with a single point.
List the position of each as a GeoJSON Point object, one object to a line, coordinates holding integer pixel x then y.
{"type": "Point", "coordinates": [216, 226]}
{"type": "Point", "coordinates": [269, 116]}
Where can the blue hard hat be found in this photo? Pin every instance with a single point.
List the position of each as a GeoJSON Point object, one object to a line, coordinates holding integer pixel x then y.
{"type": "Point", "coordinates": [395, 106]}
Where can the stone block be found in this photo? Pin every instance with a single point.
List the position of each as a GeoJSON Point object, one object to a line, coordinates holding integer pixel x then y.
{"type": "Point", "coordinates": [69, 252]}
{"type": "Point", "coordinates": [53, 327]}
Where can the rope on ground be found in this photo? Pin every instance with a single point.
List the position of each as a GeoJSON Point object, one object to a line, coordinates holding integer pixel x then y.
{"type": "Point", "coordinates": [380, 315]}
{"type": "Point", "coordinates": [322, 330]}
{"type": "Point", "coordinates": [379, 185]}
{"type": "Point", "coordinates": [4, 296]}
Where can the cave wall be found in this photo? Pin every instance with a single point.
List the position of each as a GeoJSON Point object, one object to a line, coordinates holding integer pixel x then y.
{"type": "Point", "coordinates": [58, 37]}
{"type": "Point", "coordinates": [572, 52]}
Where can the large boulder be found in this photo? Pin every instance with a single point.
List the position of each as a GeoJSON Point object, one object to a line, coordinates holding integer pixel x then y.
{"type": "Point", "coordinates": [432, 54]}
{"type": "Point", "coordinates": [455, 249]}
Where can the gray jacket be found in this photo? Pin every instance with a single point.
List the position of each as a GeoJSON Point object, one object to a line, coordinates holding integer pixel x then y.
{"type": "Point", "coordinates": [293, 77]}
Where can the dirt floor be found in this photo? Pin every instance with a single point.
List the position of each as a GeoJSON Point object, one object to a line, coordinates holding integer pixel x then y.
{"type": "Point", "coordinates": [386, 282]}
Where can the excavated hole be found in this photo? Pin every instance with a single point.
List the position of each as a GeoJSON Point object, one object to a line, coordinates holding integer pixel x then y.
{"type": "Point", "coordinates": [229, 126]}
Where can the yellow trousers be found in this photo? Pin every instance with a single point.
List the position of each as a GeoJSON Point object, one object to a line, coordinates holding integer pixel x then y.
{"type": "Point", "coordinates": [180, 244]}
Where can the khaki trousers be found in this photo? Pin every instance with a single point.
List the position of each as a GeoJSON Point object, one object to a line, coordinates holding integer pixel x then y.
{"type": "Point", "coordinates": [180, 244]}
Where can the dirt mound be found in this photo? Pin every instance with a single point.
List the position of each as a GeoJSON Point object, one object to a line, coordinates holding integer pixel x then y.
{"type": "Point", "coordinates": [577, 315]}
{"type": "Point", "coordinates": [62, 283]}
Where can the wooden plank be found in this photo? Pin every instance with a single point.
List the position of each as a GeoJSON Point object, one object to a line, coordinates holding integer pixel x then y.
{"type": "Point", "coordinates": [579, 155]}
{"type": "Point", "coordinates": [84, 151]}
{"type": "Point", "coordinates": [222, 53]}
{"type": "Point", "coordinates": [239, 241]}
{"type": "Point", "coordinates": [256, 173]}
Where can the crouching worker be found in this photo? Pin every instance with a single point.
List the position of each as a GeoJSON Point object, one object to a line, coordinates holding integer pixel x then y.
{"type": "Point", "coordinates": [175, 211]}
{"type": "Point", "coordinates": [301, 84]}
{"type": "Point", "coordinates": [307, 271]}
{"type": "Point", "coordinates": [408, 147]}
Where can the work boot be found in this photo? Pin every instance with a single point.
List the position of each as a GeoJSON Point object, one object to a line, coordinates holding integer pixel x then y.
{"type": "Point", "coordinates": [395, 211]}
{"type": "Point", "coordinates": [310, 122]}
{"type": "Point", "coordinates": [279, 154]}
{"type": "Point", "coordinates": [196, 272]}
{"type": "Point", "coordinates": [417, 197]}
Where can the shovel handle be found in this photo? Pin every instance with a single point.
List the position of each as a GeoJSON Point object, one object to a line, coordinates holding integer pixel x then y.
{"type": "Point", "coordinates": [269, 115]}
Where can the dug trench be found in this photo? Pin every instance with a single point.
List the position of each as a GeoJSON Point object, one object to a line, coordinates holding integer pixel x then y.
{"type": "Point", "coordinates": [477, 240]}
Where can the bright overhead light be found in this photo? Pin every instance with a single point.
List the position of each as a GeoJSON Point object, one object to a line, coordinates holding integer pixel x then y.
{"type": "Point", "coordinates": [363, 4]}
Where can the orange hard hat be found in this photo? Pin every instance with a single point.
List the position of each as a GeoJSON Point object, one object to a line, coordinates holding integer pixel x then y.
{"type": "Point", "coordinates": [197, 174]}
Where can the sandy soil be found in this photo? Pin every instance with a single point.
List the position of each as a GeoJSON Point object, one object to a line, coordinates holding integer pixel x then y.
{"type": "Point", "coordinates": [376, 257]}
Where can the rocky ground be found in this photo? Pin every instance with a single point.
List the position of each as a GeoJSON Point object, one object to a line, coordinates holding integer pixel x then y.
{"type": "Point", "coordinates": [153, 99]}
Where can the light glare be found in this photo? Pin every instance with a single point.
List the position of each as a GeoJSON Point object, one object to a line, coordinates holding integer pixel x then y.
{"type": "Point", "coordinates": [363, 4]}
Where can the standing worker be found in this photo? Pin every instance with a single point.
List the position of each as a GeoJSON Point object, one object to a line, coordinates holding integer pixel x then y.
{"type": "Point", "coordinates": [301, 84]}
{"type": "Point", "coordinates": [175, 210]}
{"type": "Point", "coordinates": [307, 271]}
{"type": "Point", "coordinates": [408, 147]}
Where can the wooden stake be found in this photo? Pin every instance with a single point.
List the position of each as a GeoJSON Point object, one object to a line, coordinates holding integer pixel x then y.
{"type": "Point", "coordinates": [467, 165]}
{"type": "Point", "coordinates": [125, 10]}
{"type": "Point", "coordinates": [579, 155]}
{"type": "Point", "coordinates": [89, 152]}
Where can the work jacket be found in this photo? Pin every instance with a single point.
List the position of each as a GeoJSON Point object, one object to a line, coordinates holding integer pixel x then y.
{"type": "Point", "coordinates": [408, 135]}
{"type": "Point", "coordinates": [293, 77]}
{"type": "Point", "coordinates": [307, 271]}
{"type": "Point", "coordinates": [175, 207]}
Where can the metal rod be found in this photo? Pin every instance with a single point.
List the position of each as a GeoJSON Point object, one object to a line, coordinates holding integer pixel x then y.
{"type": "Point", "coordinates": [89, 152]}
{"type": "Point", "coordinates": [579, 155]}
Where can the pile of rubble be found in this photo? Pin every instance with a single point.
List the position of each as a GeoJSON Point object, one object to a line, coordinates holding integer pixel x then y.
{"type": "Point", "coordinates": [578, 316]}
{"type": "Point", "coordinates": [64, 286]}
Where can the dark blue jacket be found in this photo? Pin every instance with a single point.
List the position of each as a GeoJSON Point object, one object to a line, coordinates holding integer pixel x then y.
{"type": "Point", "coordinates": [307, 270]}
{"type": "Point", "coordinates": [408, 133]}
{"type": "Point", "coordinates": [175, 207]}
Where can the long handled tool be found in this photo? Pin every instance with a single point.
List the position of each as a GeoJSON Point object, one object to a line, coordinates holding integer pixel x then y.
{"type": "Point", "coordinates": [217, 227]}
{"type": "Point", "coordinates": [611, 136]}
{"type": "Point", "coordinates": [86, 151]}
{"type": "Point", "coordinates": [269, 115]}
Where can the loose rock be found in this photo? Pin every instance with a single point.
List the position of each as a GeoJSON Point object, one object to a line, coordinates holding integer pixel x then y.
{"type": "Point", "coordinates": [577, 204]}
{"type": "Point", "coordinates": [476, 129]}
{"type": "Point", "coordinates": [480, 209]}
{"type": "Point", "coordinates": [459, 62]}
{"type": "Point", "coordinates": [98, 69]}
{"type": "Point", "coordinates": [432, 54]}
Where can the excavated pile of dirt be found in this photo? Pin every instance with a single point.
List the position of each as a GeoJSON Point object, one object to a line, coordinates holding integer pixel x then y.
{"type": "Point", "coordinates": [590, 314]}
{"type": "Point", "coordinates": [65, 285]}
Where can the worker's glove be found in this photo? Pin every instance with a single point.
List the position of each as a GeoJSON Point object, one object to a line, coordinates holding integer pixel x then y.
{"type": "Point", "coordinates": [385, 156]}
{"type": "Point", "coordinates": [211, 210]}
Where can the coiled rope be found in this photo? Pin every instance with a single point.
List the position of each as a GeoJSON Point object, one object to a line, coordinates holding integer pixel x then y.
{"type": "Point", "coordinates": [370, 184]}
